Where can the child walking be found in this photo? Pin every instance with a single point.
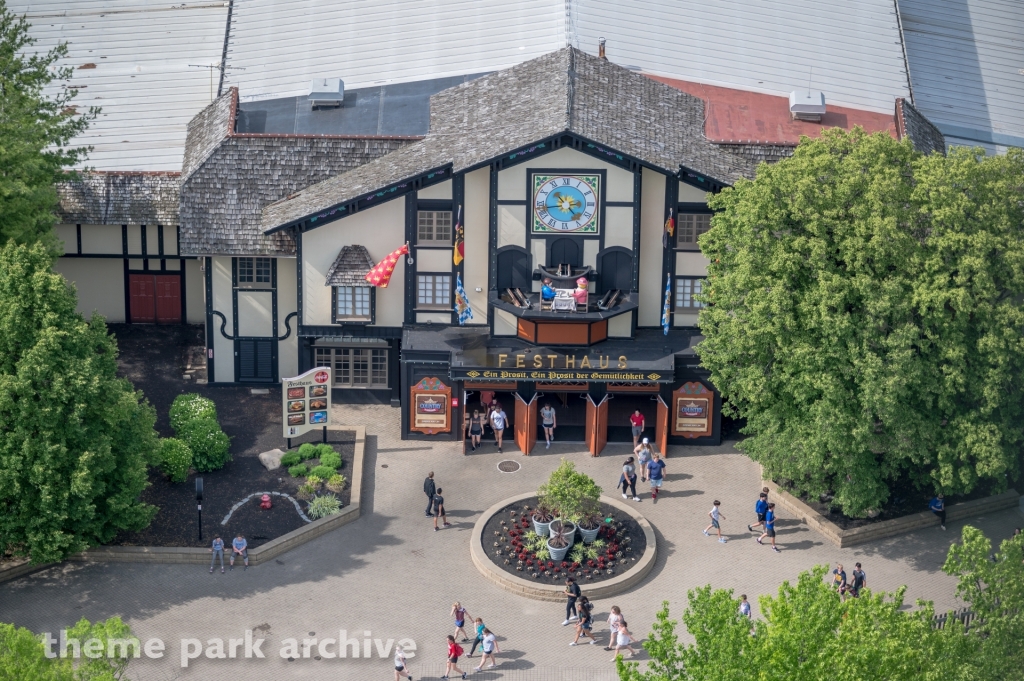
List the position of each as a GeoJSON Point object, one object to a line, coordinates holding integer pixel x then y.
{"type": "Point", "coordinates": [439, 509]}
{"type": "Point", "coordinates": [716, 515]}
{"type": "Point", "coordinates": [769, 527]}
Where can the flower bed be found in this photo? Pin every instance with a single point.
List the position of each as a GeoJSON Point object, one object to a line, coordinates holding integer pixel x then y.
{"type": "Point", "coordinates": [505, 539]}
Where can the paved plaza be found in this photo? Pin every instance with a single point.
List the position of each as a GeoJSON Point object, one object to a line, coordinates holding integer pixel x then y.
{"type": "Point", "coordinates": [389, 576]}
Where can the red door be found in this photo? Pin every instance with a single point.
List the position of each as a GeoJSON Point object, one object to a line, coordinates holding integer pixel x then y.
{"type": "Point", "coordinates": [143, 298]}
{"type": "Point", "coordinates": [168, 298]}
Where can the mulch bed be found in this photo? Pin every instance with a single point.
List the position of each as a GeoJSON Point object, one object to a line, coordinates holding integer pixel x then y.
{"type": "Point", "coordinates": [154, 359]}
{"type": "Point", "coordinates": [904, 500]}
{"type": "Point", "coordinates": [623, 534]}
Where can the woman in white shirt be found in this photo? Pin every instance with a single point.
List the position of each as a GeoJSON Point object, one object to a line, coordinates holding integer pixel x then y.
{"type": "Point", "coordinates": [498, 422]}
{"type": "Point", "coordinates": [489, 647]}
{"type": "Point", "coordinates": [622, 640]}
{"type": "Point", "coordinates": [613, 625]}
{"type": "Point", "coordinates": [400, 668]}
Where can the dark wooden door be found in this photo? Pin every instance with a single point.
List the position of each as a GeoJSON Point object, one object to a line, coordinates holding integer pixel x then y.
{"type": "Point", "coordinates": [565, 251]}
{"type": "Point", "coordinates": [255, 359]}
{"type": "Point", "coordinates": [597, 425]}
{"type": "Point", "coordinates": [142, 307]}
{"type": "Point", "coordinates": [526, 424]}
{"type": "Point", "coordinates": [168, 298]}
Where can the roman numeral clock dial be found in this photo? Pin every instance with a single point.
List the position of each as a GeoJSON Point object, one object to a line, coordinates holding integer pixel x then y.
{"type": "Point", "coordinates": [566, 203]}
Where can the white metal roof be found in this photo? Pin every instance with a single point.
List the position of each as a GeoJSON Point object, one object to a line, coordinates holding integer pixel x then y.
{"type": "Point", "coordinates": [967, 68]}
{"type": "Point", "coordinates": [142, 79]}
{"type": "Point", "coordinates": [281, 44]}
{"type": "Point", "coordinates": [848, 49]}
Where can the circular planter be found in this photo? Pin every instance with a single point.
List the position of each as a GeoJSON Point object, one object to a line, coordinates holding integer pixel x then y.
{"type": "Point", "coordinates": [555, 592]}
{"type": "Point", "coordinates": [558, 555]}
{"type": "Point", "coordinates": [589, 535]}
{"type": "Point", "coordinates": [542, 529]}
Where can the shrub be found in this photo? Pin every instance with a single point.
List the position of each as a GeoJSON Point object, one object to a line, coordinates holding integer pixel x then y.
{"type": "Point", "coordinates": [176, 459]}
{"type": "Point", "coordinates": [336, 483]}
{"type": "Point", "coordinates": [314, 480]}
{"type": "Point", "coordinates": [209, 444]}
{"type": "Point", "coordinates": [307, 451]}
{"type": "Point", "coordinates": [321, 507]}
{"type": "Point", "coordinates": [190, 407]}
{"type": "Point", "coordinates": [298, 470]}
{"type": "Point", "coordinates": [569, 492]}
{"type": "Point", "coordinates": [290, 459]}
{"type": "Point", "coordinates": [322, 472]}
{"type": "Point", "coordinates": [323, 449]}
{"type": "Point", "coordinates": [331, 459]}
{"type": "Point", "coordinates": [306, 491]}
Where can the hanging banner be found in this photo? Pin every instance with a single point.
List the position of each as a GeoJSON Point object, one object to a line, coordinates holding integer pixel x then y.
{"type": "Point", "coordinates": [306, 401]}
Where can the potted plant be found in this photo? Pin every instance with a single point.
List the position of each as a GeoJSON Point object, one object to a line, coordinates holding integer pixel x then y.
{"type": "Point", "coordinates": [589, 522]}
{"type": "Point", "coordinates": [570, 493]}
{"type": "Point", "coordinates": [565, 528]}
{"type": "Point", "coordinates": [542, 519]}
{"type": "Point", "coordinates": [558, 545]}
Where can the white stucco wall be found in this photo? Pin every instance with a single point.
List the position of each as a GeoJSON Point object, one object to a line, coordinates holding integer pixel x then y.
{"type": "Point", "coordinates": [100, 285]}
{"type": "Point", "coordinates": [652, 224]}
{"type": "Point", "coordinates": [195, 293]}
{"type": "Point", "coordinates": [287, 302]}
{"type": "Point", "coordinates": [223, 349]}
{"type": "Point", "coordinates": [101, 239]}
{"type": "Point", "coordinates": [477, 252]}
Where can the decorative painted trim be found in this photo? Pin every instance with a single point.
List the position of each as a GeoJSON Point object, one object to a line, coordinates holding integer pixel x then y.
{"type": "Point", "coordinates": [223, 323]}
{"type": "Point", "coordinates": [288, 326]}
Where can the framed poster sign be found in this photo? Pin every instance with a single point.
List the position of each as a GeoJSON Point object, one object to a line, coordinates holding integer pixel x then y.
{"type": "Point", "coordinates": [306, 401]}
{"type": "Point", "coordinates": [430, 402]}
{"type": "Point", "coordinates": [692, 406]}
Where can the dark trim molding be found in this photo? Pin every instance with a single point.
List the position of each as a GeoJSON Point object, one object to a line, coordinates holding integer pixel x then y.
{"type": "Point", "coordinates": [288, 326]}
{"type": "Point", "coordinates": [223, 323]}
{"type": "Point", "coordinates": [208, 283]}
{"type": "Point", "coordinates": [355, 331]}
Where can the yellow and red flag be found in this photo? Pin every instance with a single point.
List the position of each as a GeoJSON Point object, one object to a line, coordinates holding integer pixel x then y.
{"type": "Point", "coordinates": [381, 273]}
{"type": "Point", "coordinates": [459, 251]}
{"type": "Point", "coordinates": [670, 228]}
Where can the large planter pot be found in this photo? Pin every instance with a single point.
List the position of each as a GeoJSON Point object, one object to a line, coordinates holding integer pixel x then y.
{"type": "Point", "coordinates": [541, 529]}
{"type": "Point", "coordinates": [568, 530]}
{"type": "Point", "coordinates": [558, 555]}
{"type": "Point", "coordinates": [589, 535]}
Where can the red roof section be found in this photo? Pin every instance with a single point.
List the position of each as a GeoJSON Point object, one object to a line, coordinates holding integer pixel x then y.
{"type": "Point", "coordinates": [740, 117]}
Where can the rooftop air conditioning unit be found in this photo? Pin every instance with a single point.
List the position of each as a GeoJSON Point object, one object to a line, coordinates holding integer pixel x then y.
{"type": "Point", "coordinates": [807, 106]}
{"type": "Point", "coordinates": [326, 92]}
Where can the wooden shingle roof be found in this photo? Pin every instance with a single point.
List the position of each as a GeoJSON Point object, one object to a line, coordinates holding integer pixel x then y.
{"type": "Point", "coordinates": [350, 267]}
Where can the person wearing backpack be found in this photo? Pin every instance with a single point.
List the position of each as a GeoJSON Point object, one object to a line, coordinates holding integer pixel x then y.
{"type": "Point", "coordinates": [454, 653]}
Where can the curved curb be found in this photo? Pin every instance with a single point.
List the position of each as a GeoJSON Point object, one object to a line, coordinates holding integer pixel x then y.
{"type": "Point", "coordinates": [552, 592]}
{"type": "Point", "coordinates": [241, 503]}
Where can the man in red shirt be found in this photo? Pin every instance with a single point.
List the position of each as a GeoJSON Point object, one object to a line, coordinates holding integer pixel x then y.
{"type": "Point", "coordinates": [637, 422]}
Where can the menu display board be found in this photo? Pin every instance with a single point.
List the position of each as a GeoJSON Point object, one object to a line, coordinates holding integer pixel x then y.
{"type": "Point", "coordinates": [430, 407]}
{"type": "Point", "coordinates": [692, 406]}
{"type": "Point", "coordinates": [306, 401]}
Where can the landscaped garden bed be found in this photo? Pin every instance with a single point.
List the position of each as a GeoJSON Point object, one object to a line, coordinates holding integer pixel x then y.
{"type": "Point", "coordinates": [507, 534]}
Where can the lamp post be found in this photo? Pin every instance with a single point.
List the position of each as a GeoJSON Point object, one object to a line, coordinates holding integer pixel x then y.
{"type": "Point", "coordinates": [199, 505]}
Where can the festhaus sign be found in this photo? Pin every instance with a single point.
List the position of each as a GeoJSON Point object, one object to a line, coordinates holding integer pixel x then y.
{"type": "Point", "coordinates": [551, 366]}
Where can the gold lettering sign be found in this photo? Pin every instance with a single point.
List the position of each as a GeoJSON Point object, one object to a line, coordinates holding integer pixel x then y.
{"type": "Point", "coordinates": [520, 361]}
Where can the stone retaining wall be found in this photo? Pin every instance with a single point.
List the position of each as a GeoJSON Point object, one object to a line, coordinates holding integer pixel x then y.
{"type": "Point", "coordinates": [554, 592]}
{"type": "Point", "coordinates": [887, 528]}
{"type": "Point", "coordinates": [196, 556]}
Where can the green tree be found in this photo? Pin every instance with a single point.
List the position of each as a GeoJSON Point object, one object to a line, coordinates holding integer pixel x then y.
{"type": "Point", "coordinates": [75, 439]}
{"type": "Point", "coordinates": [864, 317]}
{"type": "Point", "coordinates": [25, 657]}
{"type": "Point", "coordinates": [994, 588]}
{"type": "Point", "coordinates": [37, 124]}
{"type": "Point", "coordinates": [807, 634]}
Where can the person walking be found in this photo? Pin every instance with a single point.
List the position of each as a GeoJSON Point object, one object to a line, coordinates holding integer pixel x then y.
{"type": "Point", "coordinates": [572, 593]}
{"type": "Point", "coordinates": [643, 453]}
{"type": "Point", "coordinates": [636, 424]}
{"type": "Point", "coordinates": [839, 581]}
{"type": "Point", "coordinates": [628, 479]}
{"type": "Point", "coordinates": [429, 490]}
{"type": "Point", "coordinates": [478, 638]}
{"type": "Point", "coordinates": [622, 640]}
{"type": "Point", "coordinates": [476, 429]}
{"type": "Point", "coordinates": [217, 549]}
{"type": "Point", "coordinates": [239, 548]}
{"type": "Point", "coordinates": [716, 517]}
{"type": "Point", "coordinates": [489, 647]}
{"type": "Point", "coordinates": [769, 527]}
{"type": "Point", "coordinates": [744, 606]}
{"type": "Point", "coordinates": [585, 625]}
{"type": "Point", "coordinates": [614, 617]}
{"type": "Point", "coordinates": [401, 666]}
{"type": "Point", "coordinates": [454, 652]}
{"type": "Point", "coordinates": [760, 508]}
{"type": "Point", "coordinates": [938, 507]}
{"type": "Point", "coordinates": [860, 581]}
{"type": "Point", "coordinates": [498, 421]}
{"type": "Point", "coordinates": [656, 473]}
{"type": "Point", "coordinates": [461, 615]}
{"type": "Point", "coordinates": [547, 419]}
{"type": "Point", "coordinates": [439, 510]}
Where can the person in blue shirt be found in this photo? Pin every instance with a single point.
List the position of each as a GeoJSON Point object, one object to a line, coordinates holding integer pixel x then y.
{"type": "Point", "coordinates": [547, 291]}
{"type": "Point", "coordinates": [238, 548]}
{"type": "Point", "coordinates": [760, 508]}
{"type": "Point", "coordinates": [938, 507]}
{"type": "Point", "coordinates": [217, 549]}
{"type": "Point", "coordinates": [769, 527]}
{"type": "Point", "coordinates": [655, 471]}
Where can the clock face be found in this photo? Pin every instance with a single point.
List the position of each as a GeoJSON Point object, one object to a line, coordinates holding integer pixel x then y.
{"type": "Point", "coordinates": [566, 203]}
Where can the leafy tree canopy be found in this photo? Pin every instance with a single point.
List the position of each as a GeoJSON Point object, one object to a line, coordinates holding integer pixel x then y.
{"type": "Point", "coordinates": [75, 439]}
{"type": "Point", "coordinates": [24, 656]}
{"type": "Point", "coordinates": [865, 316]}
{"type": "Point", "coordinates": [36, 129]}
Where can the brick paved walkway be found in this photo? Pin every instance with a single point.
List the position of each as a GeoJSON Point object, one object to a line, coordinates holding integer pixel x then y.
{"type": "Point", "coordinates": [391, 575]}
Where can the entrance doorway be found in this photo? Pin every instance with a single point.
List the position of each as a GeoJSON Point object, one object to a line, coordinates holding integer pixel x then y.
{"type": "Point", "coordinates": [154, 298]}
{"type": "Point", "coordinates": [622, 407]}
{"type": "Point", "coordinates": [570, 414]}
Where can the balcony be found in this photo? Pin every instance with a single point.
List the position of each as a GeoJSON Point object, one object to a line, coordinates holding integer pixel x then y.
{"type": "Point", "coordinates": [542, 323]}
